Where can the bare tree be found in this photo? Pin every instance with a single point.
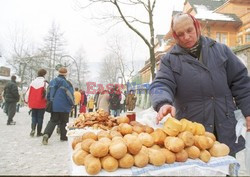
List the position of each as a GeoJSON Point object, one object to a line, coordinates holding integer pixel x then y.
{"type": "Point", "coordinates": [132, 21]}
{"type": "Point", "coordinates": [53, 48]}
{"type": "Point", "coordinates": [109, 70]}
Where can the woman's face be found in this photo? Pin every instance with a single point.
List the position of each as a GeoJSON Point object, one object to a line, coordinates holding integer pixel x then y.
{"type": "Point", "coordinates": [185, 31]}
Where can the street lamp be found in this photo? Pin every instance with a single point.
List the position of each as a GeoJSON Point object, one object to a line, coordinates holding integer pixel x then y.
{"type": "Point", "coordinates": [65, 65]}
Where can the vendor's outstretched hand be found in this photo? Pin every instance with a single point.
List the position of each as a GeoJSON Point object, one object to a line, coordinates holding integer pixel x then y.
{"type": "Point", "coordinates": [164, 110]}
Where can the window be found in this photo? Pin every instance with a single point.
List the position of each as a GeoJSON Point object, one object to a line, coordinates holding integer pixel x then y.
{"type": "Point", "coordinates": [221, 37]}
{"type": "Point", "coordinates": [247, 38]}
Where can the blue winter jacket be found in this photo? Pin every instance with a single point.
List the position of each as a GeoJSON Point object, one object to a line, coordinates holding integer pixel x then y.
{"type": "Point", "coordinates": [61, 93]}
{"type": "Point", "coordinates": [207, 92]}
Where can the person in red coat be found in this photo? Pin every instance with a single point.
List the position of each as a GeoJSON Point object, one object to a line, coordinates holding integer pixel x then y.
{"type": "Point", "coordinates": [83, 102]}
{"type": "Point", "coordinates": [36, 98]}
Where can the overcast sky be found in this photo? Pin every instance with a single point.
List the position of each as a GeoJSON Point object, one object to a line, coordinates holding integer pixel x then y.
{"type": "Point", "coordinates": [34, 18]}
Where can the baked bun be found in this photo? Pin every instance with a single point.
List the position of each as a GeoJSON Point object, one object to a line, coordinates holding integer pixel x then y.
{"type": "Point", "coordinates": [125, 128]}
{"type": "Point", "coordinates": [138, 129]}
{"type": "Point", "coordinates": [199, 129]}
{"type": "Point", "coordinates": [193, 152]}
{"type": "Point", "coordinates": [134, 144]}
{"type": "Point", "coordinates": [99, 149]}
{"type": "Point", "coordinates": [141, 159]}
{"type": "Point", "coordinates": [92, 165]}
{"type": "Point", "coordinates": [205, 156]}
{"type": "Point", "coordinates": [148, 129]}
{"type": "Point", "coordinates": [102, 134]}
{"type": "Point", "coordinates": [105, 140]}
{"type": "Point", "coordinates": [169, 156]}
{"type": "Point", "coordinates": [181, 156]}
{"type": "Point", "coordinates": [127, 161]}
{"type": "Point", "coordinates": [146, 139]}
{"type": "Point", "coordinates": [172, 126]}
{"type": "Point", "coordinates": [118, 149]}
{"type": "Point", "coordinates": [174, 144]}
{"type": "Point", "coordinates": [219, 150]}
{"type": "Point", "coordinates": [86, 144]}
{"type": "Point", "coordinates": [79, 156]}
{"type": "Point", "coordinates": [76, 141]}
{"type": "Point", "coordinates": [114, 133]}
{"type": "Point", "coordinates": [89, 135]}
{"type": "Point", "coordinates": [122, 120]}
{"type": "Point", "coordinates": [109, 163]}
{"type": "Point", "coordinates": [156, 157]}
{"type": "Point", "coordinates": [159, 136]}
{"type": "Point", "coordinates": [210, 135]}
{"type": "Point", "coordinates": [201, 142]}
{"type": "Point", "coordinates": [187, 138]}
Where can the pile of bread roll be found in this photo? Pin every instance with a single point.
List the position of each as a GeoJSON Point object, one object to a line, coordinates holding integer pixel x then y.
{"type": "Point", "coordinates": [133, 144]}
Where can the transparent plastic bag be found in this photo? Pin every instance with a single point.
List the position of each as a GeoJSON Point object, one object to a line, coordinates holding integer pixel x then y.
{"type": "Point", "coordinates": [247, 153]}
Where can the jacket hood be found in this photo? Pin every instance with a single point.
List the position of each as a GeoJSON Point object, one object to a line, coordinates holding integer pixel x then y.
{"type": "Point", "coordinates": [178, 50]}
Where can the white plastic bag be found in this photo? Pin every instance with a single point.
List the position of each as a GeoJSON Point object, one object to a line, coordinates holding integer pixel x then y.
{"type": "Point", "coordinates": [241, 122]}
{"type": "Point", "coordinates": [247, 153]}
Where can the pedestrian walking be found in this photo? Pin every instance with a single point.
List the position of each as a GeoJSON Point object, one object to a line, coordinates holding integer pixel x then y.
{"type": "Point", "coordinates": [131, 100]}
{"type": "Point", "coordinates": [83, 102]}
{"type": "Point", "coordinates": [62, 97]}
{"type": "Point", "coordinates": [91, 104]}
{"type": "Point", "coordinates": [35, 97]}
{"type": "Point", "coordinates": [204, 81]}
{"type": "Point", "coordinates": [11, 97]}
{"type": "Point", "coordinates": [77, 97]}
{"type": "Point", "coordinates": [103, 101]}
{"type": "Point", "coordinates": [96, 99]}
{"type": "Point", "coordinates": [123, 102]}
{"type": "Point", "coordinates": [114, 101]}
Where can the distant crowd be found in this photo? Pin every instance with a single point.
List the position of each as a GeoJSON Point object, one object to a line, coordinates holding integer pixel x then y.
{"type": "Point", "coordinates": [61, 100]}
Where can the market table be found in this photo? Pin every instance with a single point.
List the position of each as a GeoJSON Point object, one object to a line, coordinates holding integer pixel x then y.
{"type": "Point", "coordinates": [217, 166]}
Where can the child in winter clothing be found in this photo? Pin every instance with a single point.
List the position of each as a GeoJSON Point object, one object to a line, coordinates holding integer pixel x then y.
{"type": "Point", "coordinates": [91, 104]}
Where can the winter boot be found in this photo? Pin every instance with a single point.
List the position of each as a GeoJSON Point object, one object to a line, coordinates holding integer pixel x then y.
{"type": "Point", "coordinates": [33, 128]}
{"type": "Point", "coordinates": [45, 139]}
{"type": "Point", "coordinates": [39, 129]}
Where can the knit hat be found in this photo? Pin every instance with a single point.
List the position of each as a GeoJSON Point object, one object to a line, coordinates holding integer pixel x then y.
{"type": "Point", "coordinates": [62, 71]}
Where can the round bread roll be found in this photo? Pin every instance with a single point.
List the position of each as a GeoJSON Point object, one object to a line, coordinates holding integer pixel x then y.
{"type": "Point", "coordinates": [115, 128]}
{"type": "Point", "coordinates": [187, 138]}
{"type": "Point", "coordinates": [205, 156]}
{"type": "Point", "coordinates": [127, 161]}
{"type": "Point", "coordinates": [141, 159]}
{"type": "Point", "coordinates": [134, 123]}
{"type": "Point", "coordinates": [148, 129]}
{"type": "Point", "coordinates": [89, 135]}
{"type": "Point", "coordinates": [114, 133]}
{"type": "Point", "coordinates": [76, 141]}
{"type": "Point", "coordinates": [78, 146]}
{"type": "Point", "coordinates": [146, 139]}
{"type": "Point", "coordinates": [159, 136]}
{"type": "Point", "coordinates": [199, 129]}
{"type": "Point", "coordinates": [156, 157]}
{"type": "Point", "coordinates": [138, 129]}
{"type": "Point", "coordinates": [122, 120]}
{"type": "Point", "coordinates": [144, 150]}
{"type": "Point", "coordinates": [174, 144]}
{"type": "Point", "coordinates": [99, 149]}
{"type": "Point", "coordinates": [134, 145]}
{"type": "Point", "coordinates": [155, 146]}
{"type": "Point", "coordinates": [190, 127]}
{"type": "Point", "coordinates": [105, 140]}
{"type": "Point", "coordinates": [135, 134]}
{"type": "Point", "coordinates": [181, 156]}
{"type": "Point", "coordinates": [129, 136]}
{"type": "Point", "coordinates": [210, 135]}
{"type": "Point", "coordinates": [172, 126]}
{"type": "Point", "coordinates": [201, 142]}
{"type": "Point", "coordinates": [125, 129]}
{"type": "Point", "coordinates": [219, 150]}
{"type": "Point", "coordinates": [193, 152]}
{"type": "Point", "coordinates": [86, 144]}
{"type": "Point", "coordinates": [93, 166]}
{"type": "Point", "coordinates": [184, 123]}
{"type": "Point", "coordinates": [169, 156]}
{"type": "Point", "coordinates": [109, 163]}
{"type": "Point", "coordinates": [210, 143]}
{"type": "Point", "coordinates": [79, 156]}
{"type": "Point", "coordinates": [118, 150]}
{"type": "Point", "coordinates": [102, 134]}
{"type": "Point", "coordinates": [118, 139]}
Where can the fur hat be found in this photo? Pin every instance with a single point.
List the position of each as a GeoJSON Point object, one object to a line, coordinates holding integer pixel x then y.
{"type": "Point", "coordinates": [62, 71]}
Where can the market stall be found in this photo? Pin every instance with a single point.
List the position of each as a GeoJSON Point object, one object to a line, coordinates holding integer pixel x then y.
{"type": "Point", "coordinates": [196, 152]}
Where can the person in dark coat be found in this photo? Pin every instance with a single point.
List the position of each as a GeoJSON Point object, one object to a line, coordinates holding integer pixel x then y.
{"type": "Point", "coordinates": [203, 81]}
{"type": "Point", "coordinates": [62, 94]}
{"type": "Point", "coordinates": [114, 101]}
{"type": "Point", "coordinates": [11, 97]}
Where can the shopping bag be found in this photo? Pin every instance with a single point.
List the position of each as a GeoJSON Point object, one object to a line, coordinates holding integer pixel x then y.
{"type": "Point", "coordinates": [247, 153]}
{"type": "Point", "coordinates": [49, 106]}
